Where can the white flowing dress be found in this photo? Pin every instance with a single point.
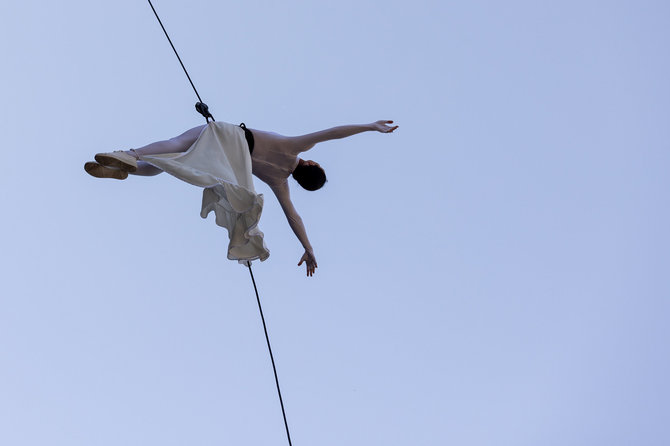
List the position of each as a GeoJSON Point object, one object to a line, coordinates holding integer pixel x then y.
{"type": "Point", "coordinates": [219, 161]}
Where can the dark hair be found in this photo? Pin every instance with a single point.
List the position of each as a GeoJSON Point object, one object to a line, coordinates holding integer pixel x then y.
{"type": "Point", "coordinates": [310, 177]}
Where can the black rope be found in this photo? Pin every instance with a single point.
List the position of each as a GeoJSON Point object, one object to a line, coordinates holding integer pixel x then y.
{"type": "Point", "coordinates": [274, 368]}
{"type": "Point", "coordinates": [201, 107]}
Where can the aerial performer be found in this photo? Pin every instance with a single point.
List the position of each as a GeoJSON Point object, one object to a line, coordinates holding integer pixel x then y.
{"type": "Point", "coordinates": [221, 157]}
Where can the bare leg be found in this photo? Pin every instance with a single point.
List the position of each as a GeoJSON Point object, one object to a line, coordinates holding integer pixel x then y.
{"type": "Point", "coordinates": [177, 144]}
{"type": "Point", "coordinates": [146, 170]}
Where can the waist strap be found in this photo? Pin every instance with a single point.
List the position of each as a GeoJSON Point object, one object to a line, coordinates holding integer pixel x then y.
{"type": "Point", "coordinates": [249, 137]}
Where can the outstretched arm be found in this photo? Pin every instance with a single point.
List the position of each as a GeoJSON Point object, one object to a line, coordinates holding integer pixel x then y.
{"type": "Point", "coordinates": [306, 142]}
{"type": "Point", "coordinates": [294, 220]}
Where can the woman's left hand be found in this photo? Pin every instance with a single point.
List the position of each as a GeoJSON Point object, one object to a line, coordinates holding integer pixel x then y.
{"type": "Point", "coordinates": [383, 126]}
{"type": "Point", "coordinates": [310, 262]}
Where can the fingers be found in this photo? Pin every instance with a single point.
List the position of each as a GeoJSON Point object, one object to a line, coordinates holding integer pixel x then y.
{"type": "Point", "coordinates": [310, 264]}
{"type": "Point", "coordinates": [388, 129]}
{"type": "Point", "coordinates": [310, 269]}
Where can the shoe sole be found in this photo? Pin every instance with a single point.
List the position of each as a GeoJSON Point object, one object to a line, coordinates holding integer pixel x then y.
{"type": "Point", "coordinates": [99, 171]}
{"type": "Point", "coordinates": [111, 161]}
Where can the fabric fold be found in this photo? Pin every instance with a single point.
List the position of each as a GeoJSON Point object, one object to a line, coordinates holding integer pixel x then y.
{"type": "Point", "coordinates": [219, 161]}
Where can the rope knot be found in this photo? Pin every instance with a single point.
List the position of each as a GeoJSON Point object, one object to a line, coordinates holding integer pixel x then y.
{"type": "Point", "coordinates": [202, 108]}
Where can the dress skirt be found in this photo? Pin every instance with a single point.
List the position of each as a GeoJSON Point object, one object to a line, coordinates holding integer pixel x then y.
{"type": "Point", "coordinates": [219, 161]}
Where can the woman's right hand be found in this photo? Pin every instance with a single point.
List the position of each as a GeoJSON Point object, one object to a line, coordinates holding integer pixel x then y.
{"type": "Point", "coordinates": [381, 126]}
{"type": "Point", "coordinates": [310, 262]}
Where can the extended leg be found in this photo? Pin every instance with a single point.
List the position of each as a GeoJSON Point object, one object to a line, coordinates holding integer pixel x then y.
{"type": "Point", "coordinates": [146, 170]}
{"type": "Point", "coordinates": [120, 163]}
{"type": "Point", "coordinates": [177, 144]}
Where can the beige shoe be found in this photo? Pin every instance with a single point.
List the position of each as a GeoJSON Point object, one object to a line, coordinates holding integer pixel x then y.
{"type": "Point", "coordinates": [99, 171]}
{"type": "Point", "coordinates": [119, 159]}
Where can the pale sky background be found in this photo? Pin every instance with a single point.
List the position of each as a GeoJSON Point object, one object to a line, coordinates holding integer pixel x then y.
{"type": "Point", "coordinates": [494, 273]}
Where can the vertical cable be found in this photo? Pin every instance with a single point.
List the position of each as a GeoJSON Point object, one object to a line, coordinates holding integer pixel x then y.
{"type": "Point", "coordinates": [274, 368]}
{"type": "Point", "coordinates": [201, 107]}
{"type": "Point", "coordinates": [174, 49]}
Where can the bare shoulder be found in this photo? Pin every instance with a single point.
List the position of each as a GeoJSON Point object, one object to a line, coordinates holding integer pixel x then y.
{"type": "Point", "coordinates": [270, 139]}
{"type": "Point", "coordinates": [276, 142]}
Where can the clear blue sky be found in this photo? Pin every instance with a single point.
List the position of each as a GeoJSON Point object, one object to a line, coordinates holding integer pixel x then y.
{"type": "Point", "coordinates": [493, 273]}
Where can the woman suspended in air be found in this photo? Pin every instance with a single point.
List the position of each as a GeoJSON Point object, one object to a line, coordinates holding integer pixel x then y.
{"type": "Point", "coordinates": [202, 156]}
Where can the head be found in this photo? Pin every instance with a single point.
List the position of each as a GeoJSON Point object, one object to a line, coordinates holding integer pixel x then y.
{"type": "Point", "coordinates": [309, 175]}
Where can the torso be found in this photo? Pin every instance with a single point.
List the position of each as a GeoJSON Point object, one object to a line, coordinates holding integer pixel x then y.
{"type": "Point", "coordinates": [272, 161]}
